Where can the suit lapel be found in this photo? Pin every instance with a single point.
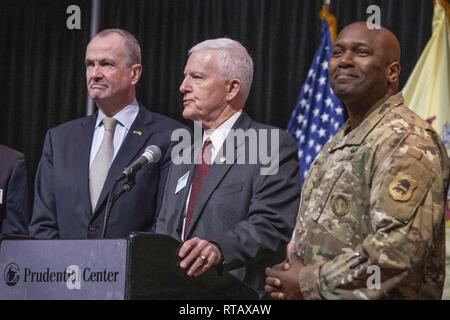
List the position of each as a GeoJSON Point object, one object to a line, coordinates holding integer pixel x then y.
{"type": "Point", "coordinates": [129, 149]}
{"type": "Point", "coordinates": [180, 204]}
{"type": "Point", "coordinates": [216, 174]}
{"type": "Point", "coordinates": [84, 152]}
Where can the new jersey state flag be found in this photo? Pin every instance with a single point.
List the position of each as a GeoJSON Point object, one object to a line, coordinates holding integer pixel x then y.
{"type": "Point", "coordinates": [427, 90]}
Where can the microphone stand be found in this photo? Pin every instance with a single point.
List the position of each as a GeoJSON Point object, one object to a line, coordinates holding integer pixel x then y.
{"type": "Point", "coordinates": [127, 186]}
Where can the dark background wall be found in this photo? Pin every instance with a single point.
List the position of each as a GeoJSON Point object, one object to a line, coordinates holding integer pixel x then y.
{"type": "Point", "coordinates": [42, 62]}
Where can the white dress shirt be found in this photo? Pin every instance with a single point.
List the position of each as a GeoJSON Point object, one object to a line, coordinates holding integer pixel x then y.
{"type": "Point", "coordinates": [125, 119]}
{"type": "Point", "coordinates": [217, 137]}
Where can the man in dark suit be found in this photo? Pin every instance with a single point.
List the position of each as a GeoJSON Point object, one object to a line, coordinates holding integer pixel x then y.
{"type": "Point", "coordinates": [233, 212]}
{"type": "Point", "coordinates": [82, 158]}
{"type": "Point", "coordinates": [14, 214]}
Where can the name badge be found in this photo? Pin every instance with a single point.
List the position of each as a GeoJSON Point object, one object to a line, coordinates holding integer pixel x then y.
{"type": "Point", "coordinates": [182, 182]}
{"type": "Point", "coordinates": [1, 196]}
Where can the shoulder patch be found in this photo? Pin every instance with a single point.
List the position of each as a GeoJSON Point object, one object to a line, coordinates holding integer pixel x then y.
{"type": "Point", "coordinates": [402, 187]}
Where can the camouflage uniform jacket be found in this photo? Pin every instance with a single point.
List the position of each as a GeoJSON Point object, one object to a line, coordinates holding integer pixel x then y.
{"type": "Point", "coordinates": [371, 220]}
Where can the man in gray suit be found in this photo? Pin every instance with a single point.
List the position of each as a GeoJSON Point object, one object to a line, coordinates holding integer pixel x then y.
{"type": "Point", "coordinates": [227, 207]}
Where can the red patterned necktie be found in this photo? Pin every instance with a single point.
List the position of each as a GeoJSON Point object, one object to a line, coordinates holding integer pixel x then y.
{"type": "Point", "coordinates": [200, 172]}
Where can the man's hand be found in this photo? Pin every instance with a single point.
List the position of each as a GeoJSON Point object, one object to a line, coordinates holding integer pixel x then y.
{"type": "Point", "coordinates": [275, 284]}
{"type": "Point", "coordinates": [282, 280]}
{"type": "Point", "coordinates": [198, 255]}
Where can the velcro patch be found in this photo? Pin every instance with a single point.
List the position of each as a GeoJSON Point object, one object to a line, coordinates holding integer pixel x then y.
{"type": "Point", "coordinates": [402, 187]}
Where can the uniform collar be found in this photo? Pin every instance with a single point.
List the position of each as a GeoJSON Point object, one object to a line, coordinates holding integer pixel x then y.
{"type": "Point", "coordinates": [357, 135]}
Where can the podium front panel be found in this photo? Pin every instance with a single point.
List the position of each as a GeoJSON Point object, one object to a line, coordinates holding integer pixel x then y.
{"type": "Point", "coordinates": [63, 269]}
{"type": "Point", "coordinates": [154, 273]}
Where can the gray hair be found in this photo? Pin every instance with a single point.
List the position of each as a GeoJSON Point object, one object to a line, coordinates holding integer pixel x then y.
{"type": "Point", "coordinates": [132, 48]}
{"type": "Point", "coordinates": [234, 61]}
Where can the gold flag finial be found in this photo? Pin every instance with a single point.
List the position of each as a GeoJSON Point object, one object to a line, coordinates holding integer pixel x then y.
{"type": "Point", "coordinates": [330, 19]}
{"type": "Point", "coordinates": [446, 5]}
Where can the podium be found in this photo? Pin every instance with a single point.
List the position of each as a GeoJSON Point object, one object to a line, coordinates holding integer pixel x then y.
{"type": "Point", "coordinates": [143, 266]}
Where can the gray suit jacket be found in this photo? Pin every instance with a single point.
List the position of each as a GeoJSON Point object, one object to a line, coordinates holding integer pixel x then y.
{"type": "Point", "coordinates": [249, 215]}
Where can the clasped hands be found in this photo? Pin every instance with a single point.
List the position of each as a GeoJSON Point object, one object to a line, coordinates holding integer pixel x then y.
{"type": "Point", "coordinates": [282, 280]}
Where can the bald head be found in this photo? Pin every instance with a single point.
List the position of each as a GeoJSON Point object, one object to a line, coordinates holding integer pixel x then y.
{"type": "Point", "coordinates": [383, 38]}
{"type": "Point", "coordinates": [364, 67]}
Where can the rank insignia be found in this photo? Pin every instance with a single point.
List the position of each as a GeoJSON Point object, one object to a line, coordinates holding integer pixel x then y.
{"type": "Point", "coordinates": [402, 187]}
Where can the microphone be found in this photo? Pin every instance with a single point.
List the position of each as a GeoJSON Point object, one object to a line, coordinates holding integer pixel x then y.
{"type": "Point", "coordinates": [152, 154]}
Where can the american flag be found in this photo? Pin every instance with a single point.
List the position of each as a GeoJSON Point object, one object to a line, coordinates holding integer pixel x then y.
{"type": "Point", "coordinates": [318, 113]}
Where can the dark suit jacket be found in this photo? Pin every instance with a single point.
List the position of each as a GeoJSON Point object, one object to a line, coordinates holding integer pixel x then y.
{"type": "Point", "coordinates": [249, 215]}
{"type": "Point", "coordinates": [14, 214]}
{"type": "Point", "coordinates": [62, 206]}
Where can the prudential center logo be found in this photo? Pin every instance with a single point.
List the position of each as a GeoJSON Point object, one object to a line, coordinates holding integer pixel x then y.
{"type": "Point", "coordinates": [11, 275]}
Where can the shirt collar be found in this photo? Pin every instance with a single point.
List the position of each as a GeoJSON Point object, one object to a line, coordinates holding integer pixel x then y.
{"type": "Point", "coordinates": [357, 135]}
{"type": "Point", "coordinates": [218, 135]}
{"type": "Point", "coordinates": [124, 117]}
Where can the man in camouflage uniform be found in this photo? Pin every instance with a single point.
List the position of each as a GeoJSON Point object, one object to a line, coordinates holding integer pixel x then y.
{"type": "Point", "coordinates": [371, 219]}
